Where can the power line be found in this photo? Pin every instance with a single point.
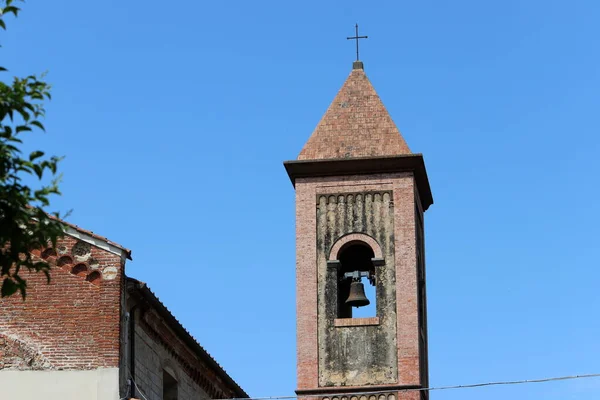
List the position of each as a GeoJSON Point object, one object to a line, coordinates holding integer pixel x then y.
{"type": "Point", "coordinates": [472, 385]}
{"type": "Point", "coordinates": [138, 390]}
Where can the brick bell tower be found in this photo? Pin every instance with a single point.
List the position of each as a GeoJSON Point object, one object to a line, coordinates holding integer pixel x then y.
{"type": "Point", "coordinates": [360, 198]}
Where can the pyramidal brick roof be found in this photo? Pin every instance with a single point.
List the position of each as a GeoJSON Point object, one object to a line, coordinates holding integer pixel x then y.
{"type": "Point", "coordinates": [356, 124]}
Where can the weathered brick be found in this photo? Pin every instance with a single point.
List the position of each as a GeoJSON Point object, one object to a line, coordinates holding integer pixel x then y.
{"type": "Point", "coordinates": [356, 125]}
{"type": "Point", "coordinates": [72, 322]}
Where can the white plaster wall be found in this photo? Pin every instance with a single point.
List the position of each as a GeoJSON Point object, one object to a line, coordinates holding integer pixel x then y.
{"type": "Point", "coordinates": [99, 384]}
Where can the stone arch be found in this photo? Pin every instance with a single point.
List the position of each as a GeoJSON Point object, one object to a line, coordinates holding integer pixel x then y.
{"type": "Point", "coordinates": [19, 355]}
{"type": "Point", "coordinates": [353, 238]}
{"type": "Point", "coordinates": [80, 269]}
{"type": "Point", "coordinates": [49, 252]}
{"type": "Point", "coordinates": [94, 277]}
{"type": "Point", "coordinates": [64, 260]}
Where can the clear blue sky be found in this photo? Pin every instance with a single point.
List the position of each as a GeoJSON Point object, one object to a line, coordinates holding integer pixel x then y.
{"type": "Point", "coordinates": [175, 118]}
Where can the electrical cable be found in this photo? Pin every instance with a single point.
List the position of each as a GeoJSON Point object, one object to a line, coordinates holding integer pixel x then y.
{"type": "Point", "coordinates": [138, 389]}
{"type": "Point", "coordinates": [473, 385]}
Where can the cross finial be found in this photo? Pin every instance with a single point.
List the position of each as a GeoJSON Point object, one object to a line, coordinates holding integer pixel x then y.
{"type": "Point", "coordinates": [356, 37]}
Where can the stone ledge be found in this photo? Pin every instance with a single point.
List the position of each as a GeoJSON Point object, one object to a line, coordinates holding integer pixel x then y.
{"type": "Point", "coordinates": [341, 322]}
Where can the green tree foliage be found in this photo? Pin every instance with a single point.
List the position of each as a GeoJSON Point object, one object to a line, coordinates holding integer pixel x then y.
{"type": "Point", "coordinates": [24, 223]}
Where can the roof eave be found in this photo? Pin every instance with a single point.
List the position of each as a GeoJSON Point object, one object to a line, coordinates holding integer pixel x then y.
{"type": "Point", "coordinates": [187, 338]}
{"type": "Point", "coordinates": [93, 238]}
{"type": "Point", "coordinates": [365, 166]}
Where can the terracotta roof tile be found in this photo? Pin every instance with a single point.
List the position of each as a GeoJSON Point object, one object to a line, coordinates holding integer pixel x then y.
{"type": "Point", "coordinates": [356, 124]}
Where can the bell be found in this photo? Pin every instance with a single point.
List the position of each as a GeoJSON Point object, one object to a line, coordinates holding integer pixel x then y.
{"type": "Point", "coordinates": [357, 296]}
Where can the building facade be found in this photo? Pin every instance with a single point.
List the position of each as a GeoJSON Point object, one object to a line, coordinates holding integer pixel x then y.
{"type": "Point", "coordinates": [360, 198]}
{"type": "Point", "coordinates": [93, 333]}
{"type": "Point", "coordinates": [169, 363]}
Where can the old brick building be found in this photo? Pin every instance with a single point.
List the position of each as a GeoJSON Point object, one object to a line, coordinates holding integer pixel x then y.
{"type": "Point", "coordinates": [360, 198]}
{"type": "Point", "coordinates": [91, 330]}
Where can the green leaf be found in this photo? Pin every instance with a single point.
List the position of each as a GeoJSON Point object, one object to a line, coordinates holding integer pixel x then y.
{"type": "Point", "coordinates": [23, 128]}
{"type": "Point", "coordinates": [9, 287]}
{"type": "Point", "coordinates": [35, 154]}
{"type": "Point", "coordinates": [38, 124]}
{"type": "Point", "coordinates": [11, 9]}
{"type": "Point", "coordinates": [38, 170]}
{"type": "Point", "coordinates": [47, 273]}
{"type": "Point", "coordinates": [24, 222]}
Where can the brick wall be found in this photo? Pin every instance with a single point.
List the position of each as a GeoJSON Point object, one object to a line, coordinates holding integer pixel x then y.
{"type": "Point", "coordinates": [403, 188]}
{"type": "Point", "coordinates": [71, 323]}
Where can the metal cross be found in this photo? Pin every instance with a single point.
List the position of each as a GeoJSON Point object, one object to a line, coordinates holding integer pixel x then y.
{"type": "Point", "coordinates": [356, 38]}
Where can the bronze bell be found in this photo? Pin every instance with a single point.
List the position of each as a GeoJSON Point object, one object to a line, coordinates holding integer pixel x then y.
{"type": "Point", "coordinates": [357, 296]}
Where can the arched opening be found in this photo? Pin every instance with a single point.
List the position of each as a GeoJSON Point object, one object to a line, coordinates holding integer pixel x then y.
{"type": "Point", "coordinates": [94, 277]}
{"type": "Point", "coordinates": [64, 260]}
{"type": "Point", "coordinates": [80, 270]}
{"type": "Point", "coordinates": [49, 252]}
{"type": "Point", "coordinates": [356, 259]}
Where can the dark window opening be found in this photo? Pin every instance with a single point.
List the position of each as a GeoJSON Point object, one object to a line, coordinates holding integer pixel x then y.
{"type": "Point", "coordinates": [356, 260]}
{"type": "Point", "coordinates": [169, 387]}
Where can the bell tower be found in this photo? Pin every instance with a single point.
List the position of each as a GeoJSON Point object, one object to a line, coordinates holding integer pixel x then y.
{"type": "Point", "coordinates": [360, 198]}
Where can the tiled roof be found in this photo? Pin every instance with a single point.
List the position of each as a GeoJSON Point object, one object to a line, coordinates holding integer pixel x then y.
{"type": "Point", "coordinates": [356, 124]}
{"type": "Point", "coordinates": [96, 236]}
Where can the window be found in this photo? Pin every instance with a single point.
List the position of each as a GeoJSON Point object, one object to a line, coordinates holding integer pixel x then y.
{"type": "Point", "coordinates": [169, 387]}
{"type": "Point", "coordinates": [356, 281]}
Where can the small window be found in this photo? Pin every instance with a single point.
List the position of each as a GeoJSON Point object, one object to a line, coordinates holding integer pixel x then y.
{"type": "Point", "coordinates": [169, 386]}
{"type": "Point", "coordinates": [357, 282]}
